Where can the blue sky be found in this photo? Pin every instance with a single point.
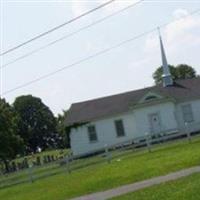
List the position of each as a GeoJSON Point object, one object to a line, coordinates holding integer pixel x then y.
{"type": "Point", "coordinates": [126, 68]}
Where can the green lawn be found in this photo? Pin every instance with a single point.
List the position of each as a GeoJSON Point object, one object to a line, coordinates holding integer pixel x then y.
{"type": "Point", "coordinates": [183, 189]}
{"type": "Point", "coordinates": [131, 168]}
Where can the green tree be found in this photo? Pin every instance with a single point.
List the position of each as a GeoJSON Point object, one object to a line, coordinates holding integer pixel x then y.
{"type": "Point", "coordinates": [37, 123]}
{"type": "Point", "coordinates": [185, 71]}
{"type": "Point", "coordinates": [181, 71]}
{"type": "Point", "coordinates": [10, 143]}
{"type": "Point", "coordinates": [62, 131]}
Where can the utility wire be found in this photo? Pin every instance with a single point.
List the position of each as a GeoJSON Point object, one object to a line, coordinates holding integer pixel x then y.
{"type": "Point", "coordinates": [56, 28]}
{"type": "Point", "coordinates": [97, 54]}
{"type": "Point", "coordinates": [69, 35]}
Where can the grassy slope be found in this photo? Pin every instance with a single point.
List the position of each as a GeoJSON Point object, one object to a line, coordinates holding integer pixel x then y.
{"type": "Point", "coordinates": [132, 168]}
{"type": "Point", "coordinates": [185, 189]}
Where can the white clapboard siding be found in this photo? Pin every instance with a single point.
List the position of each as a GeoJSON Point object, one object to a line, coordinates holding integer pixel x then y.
{"type": "Point", "coordinates": [136, 124]}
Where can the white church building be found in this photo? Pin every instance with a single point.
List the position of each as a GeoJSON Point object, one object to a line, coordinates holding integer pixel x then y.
{"type": "Point", "coordinates": [167, 108]}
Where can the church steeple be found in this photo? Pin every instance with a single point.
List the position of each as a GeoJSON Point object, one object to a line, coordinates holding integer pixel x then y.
{"type": "Point", "coordinates": [166, 76]}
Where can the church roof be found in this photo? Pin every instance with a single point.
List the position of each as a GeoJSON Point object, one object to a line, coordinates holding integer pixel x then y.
{"type": "Point", "coordinates": [181, 91]}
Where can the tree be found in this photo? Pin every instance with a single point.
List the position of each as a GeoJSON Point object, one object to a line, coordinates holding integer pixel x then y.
{"type": "Point", "coordinates": [185, 71]}
{"type": "Point", "coordinates": [61, 129]}
{"type": "Point", "coordinates": [181, 71]}
{"type": "Point", "coordinates": [37, 123]}
{"type": "Point", "coordinates": [10, 143]}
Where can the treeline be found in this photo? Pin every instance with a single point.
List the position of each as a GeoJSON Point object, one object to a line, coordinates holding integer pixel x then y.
{"type": "Point", "coordinates": [29, 126]}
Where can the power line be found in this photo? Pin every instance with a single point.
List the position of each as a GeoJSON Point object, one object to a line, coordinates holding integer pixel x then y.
{"type": "Point", "coordinates": [97, 54]}
{"type": "Point", "coordinates": [69, 35]}
{"type": "Point", "coordinates": [56, 28]}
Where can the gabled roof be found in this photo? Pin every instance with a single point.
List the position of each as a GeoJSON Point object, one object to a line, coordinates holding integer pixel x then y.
{"type": "Point", "coordinates": [182, 90]}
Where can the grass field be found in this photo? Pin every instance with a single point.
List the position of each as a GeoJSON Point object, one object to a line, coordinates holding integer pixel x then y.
{"type": "Point", "coordinates": [131, 168]}
{"type": "Point", "coordinates": [183, 189]}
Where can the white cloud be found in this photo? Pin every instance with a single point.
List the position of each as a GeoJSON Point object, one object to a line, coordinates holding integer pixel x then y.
{"type": "Point", "coordinates": [179, 34]}
{"type": "Point", "coordinates": [178, 13]}
{"type": "Point", "coordinates": [182, 29]}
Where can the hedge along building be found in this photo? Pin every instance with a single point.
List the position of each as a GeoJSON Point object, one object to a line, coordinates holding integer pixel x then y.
{"type": "Point", "coordinates": [163, 109]}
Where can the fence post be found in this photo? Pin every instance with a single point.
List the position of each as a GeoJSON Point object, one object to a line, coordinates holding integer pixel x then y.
{"type": "Point", "coordinates": [148, 141]}
{"type": "Point", "coordinates": [30, 172]}
{"type": "Point", "coordinates": [133, 145]}
{"type": "Point", "coordinates": [67, 159]}
{"type": "Point", "coordinates": [188, 132]}
{"type": "Point", "coordinates": [108, 155]}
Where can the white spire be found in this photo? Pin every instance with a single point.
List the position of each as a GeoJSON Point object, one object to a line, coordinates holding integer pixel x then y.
{"type": "Point", "coordinates": [167, 77]}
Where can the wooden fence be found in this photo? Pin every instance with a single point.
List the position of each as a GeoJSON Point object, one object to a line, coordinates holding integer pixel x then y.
{"type": "Point", "coordinates": [70, 163]}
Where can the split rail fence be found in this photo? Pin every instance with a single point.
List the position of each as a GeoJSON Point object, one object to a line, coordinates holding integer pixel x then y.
{"type": "Point", "coordinates": [70, 163]}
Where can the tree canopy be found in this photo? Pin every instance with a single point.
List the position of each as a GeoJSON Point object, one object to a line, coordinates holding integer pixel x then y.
{"type": "Point", "coordinates": [61, 129]}
{"type": "Point", "coordinates": [10, 142]}
{"type": "Point", "coordinates": [37, 123]}
{"type": "Point", "coordinates": [181, 71]}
